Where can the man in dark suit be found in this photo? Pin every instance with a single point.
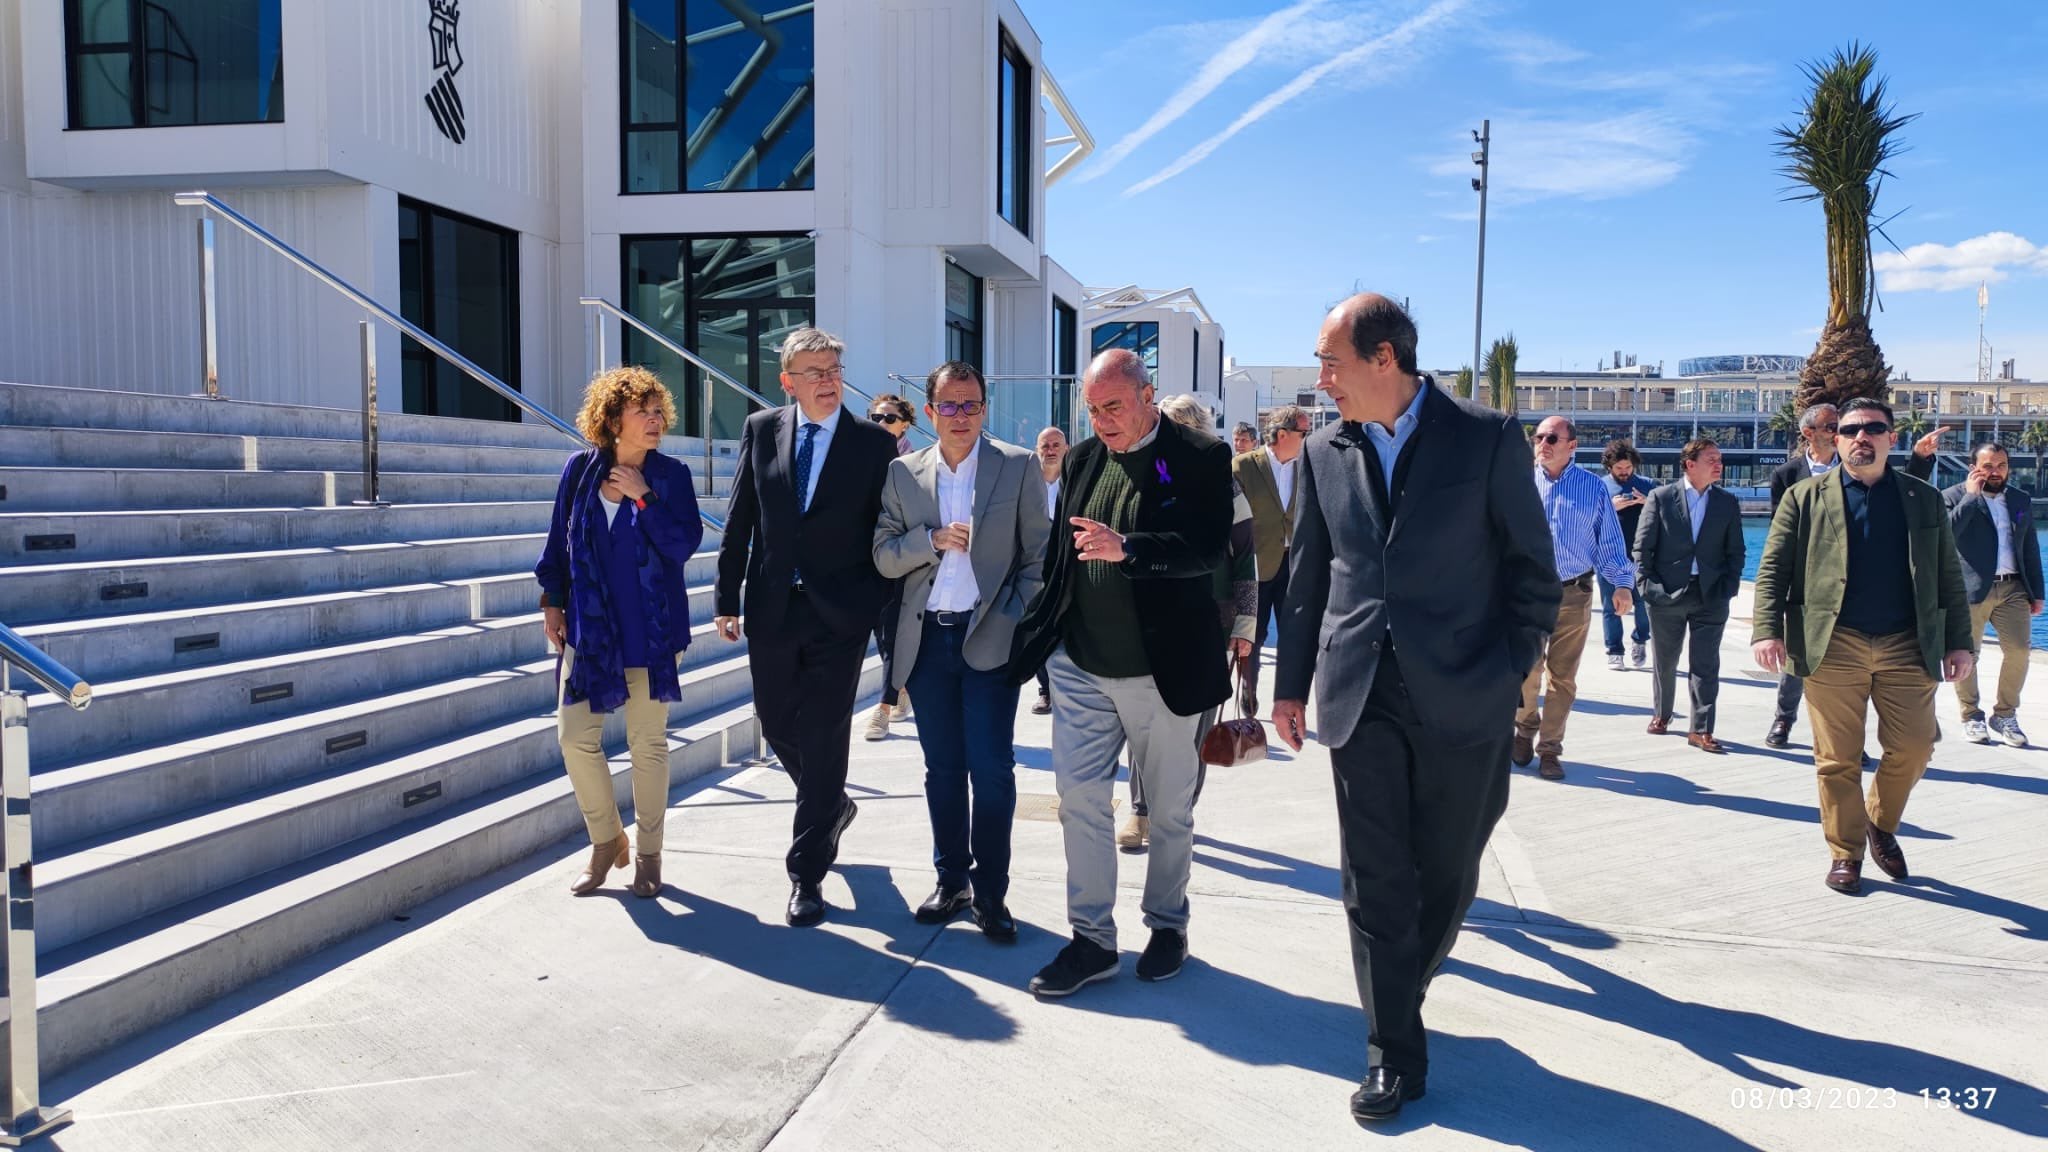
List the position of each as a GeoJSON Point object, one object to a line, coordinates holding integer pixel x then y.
{"type": "Point", "coordinates": [1689, 543]}
{"type": "Point", "coordinates": [1411, 486]}
{"type": "Point", "coordinates": [2001, 555]}
{"type": "Point", "coordinates": [800, 533]}
{"type": "Point", "coordinates": [1127, 629]}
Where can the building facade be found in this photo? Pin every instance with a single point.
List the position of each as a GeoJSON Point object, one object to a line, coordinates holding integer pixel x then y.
{"type": "Point", "coordinates": [724, 170]}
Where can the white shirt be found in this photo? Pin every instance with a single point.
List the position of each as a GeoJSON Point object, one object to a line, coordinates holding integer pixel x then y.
{"type": "Point", "coordinates": [2001, 519]}
{"type": "Point", "coordinates": [1283, 477]}
{"type": "Point", "coordinates": [1815, 468]}
{"type": "Point", "coordinates": [1052, 497]}
{"type": "Point", "coordinates": [611, 509]}
{"type": "Point", "coordinates": [821, 442]}
{"type": "Point", "coordinates": [953, 587]}
{"type": "Point", "coordinates": [1696, 508]}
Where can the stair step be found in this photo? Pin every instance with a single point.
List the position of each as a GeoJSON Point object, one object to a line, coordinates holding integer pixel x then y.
{"type": "Point", "coordinates": [71, 537]}
{"type": "Point", "coordinates": [169, 489]}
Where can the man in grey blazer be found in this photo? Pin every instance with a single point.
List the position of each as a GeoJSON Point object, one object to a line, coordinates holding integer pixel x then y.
{"type": "Point", "coordinates": [963, 526]}
{"type": "Point", "coordinates": [1418, 532]}
{"type": "Point", "coordinates": [1689, 542]}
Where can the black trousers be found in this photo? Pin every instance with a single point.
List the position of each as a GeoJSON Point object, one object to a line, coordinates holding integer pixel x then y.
{"type": "Point", "coordinates": [1698, 625]}
{"type": "Point", "coordinates": [805, 681]}
{"type": "Point", "coordinates": [1414, 816]}
{"type": "Point", "coordinates": [1272, 594]}
{"type": "Point", "coordinates": [885, 641]}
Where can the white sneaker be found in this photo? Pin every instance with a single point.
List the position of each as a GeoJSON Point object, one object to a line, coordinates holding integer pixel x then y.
{"type": "Point", "coordinates": [902, 706]}
{"type": "Point", "coordinates": [2008, 729]}
{"type": "Point", "coordinates": [1638, 656]}
{"type": "Point", "coordinates": [1975, 731]}
{"type": "Point", "coordinates": [878, 724]}
{"type": "Point", "coordinates": [1614, 661]}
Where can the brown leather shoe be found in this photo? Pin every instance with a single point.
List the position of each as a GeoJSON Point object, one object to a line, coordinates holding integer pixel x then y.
{"type": "Point", "coordinates": [1524, 750]}
{"type": "Point", "coordinates": [1658, 726]}
{"type": "Point", "coordinates": [1548, 767]}
{"type": "Point", "coordinates": [603, 858]}
{"type": "Point", "coordinates": [1884, 848]}
{"type": "Point", "coordinates": [1705, 742]}
{"type": "Point", "coordinates": [647, 875]}
{"type": "Point", "coordinates": [1846, 877]}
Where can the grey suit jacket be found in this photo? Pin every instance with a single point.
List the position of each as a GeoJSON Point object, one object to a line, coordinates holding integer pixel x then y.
{"type": "Point", "coordinates": [1453, 567]}
{"type": "Point", "coordinates": [1666, 549]}
{"type": "Point", "coordinates": [1006, 547]}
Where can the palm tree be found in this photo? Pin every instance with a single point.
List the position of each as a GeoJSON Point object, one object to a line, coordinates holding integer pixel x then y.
{"type": "Point", "coordinates": [1785, 422]}
{"type": "Point", "coordinates": [1463, 388]}
{"type": "Point", "coordinates": [1836, 154]}
{"type": "Point", "coordinates": [1500, 372]}
{"type": "Point", "coordinates": [2034, 438]}
{"type": "Point", "coordinates": [1912, 426]}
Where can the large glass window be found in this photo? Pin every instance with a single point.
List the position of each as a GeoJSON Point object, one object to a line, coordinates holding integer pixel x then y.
{"type": "Point", "coordinates": [459, 279]}
{"type": "Point", "coordinates": [1013, 133]}
{"type": "Point", "coordinates": [963, 315]}
{"type": "Point", "coordinates": [1140, 336]}
{"type": "Point", "coordinates": [729, 299]}
{"type": "Point", "coordinates": [1065, 350]}
{"type": "Point", "coordinates": [151, 63]}
{"type": "Point", "coordinates": [715, 95]}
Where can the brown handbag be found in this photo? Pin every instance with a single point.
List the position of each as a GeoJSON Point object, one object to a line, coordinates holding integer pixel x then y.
{"type": "Point", "coordinates": [1233, 742]}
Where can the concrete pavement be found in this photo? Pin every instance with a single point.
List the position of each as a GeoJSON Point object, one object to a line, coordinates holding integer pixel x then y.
{"type": "Point", "coordinates": [1653, 963]}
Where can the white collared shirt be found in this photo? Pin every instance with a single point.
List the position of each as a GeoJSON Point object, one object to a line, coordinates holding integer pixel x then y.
{"type": "Point", "coordinates": [1696, 509]}
{"type": "Point", "coordinates": [1052, 497]}
{"type": "Point", "coordinates": [953, 587]}
{"type": "Point", "coordinates": [2001, 519]}
{"type": "Point", "coordinates": [1283, 477]}
{"type": "Point", "coordinates": [821, 441]}
{"type": "Point", "coordinates": [1815, 468]}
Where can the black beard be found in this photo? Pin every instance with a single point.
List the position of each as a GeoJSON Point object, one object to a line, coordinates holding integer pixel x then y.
{"type": "Point", "coordinates": [1994, 486]}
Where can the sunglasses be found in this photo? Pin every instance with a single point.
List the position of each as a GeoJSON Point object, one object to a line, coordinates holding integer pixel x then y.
{"type": "Point", "coordinates": [959, 407]}
{"type": "Point", "coordinates": [886, 418]}
{"type": "Point", "coordinates": [1552, 438]}
{"type": "Point", "coordinates": [1873, 429]}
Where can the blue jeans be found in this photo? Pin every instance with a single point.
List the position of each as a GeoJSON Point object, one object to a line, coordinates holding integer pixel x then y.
{"type": "Point", "coordinates": [966, 721]}
{"type": "Point", "coordinates": [1612, 622]}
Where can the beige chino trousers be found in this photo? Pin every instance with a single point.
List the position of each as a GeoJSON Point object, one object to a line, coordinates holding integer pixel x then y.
{"type": "Point", "coordinates": [1560, 659]}
{"type": "Point", "coordinates": [1859, 672]}
{"type": "Point", "coordinates": [590, 774]}
{"type": "Point", "coordinates": [2006, 608]}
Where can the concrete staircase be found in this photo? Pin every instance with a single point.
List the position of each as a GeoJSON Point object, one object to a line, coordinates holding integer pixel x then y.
{"type": "Point", "coordinates": [308, 716]}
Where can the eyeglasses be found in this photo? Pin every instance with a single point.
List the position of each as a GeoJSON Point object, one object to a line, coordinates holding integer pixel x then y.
{"type": "Point", "coordinates": [1873, 429]}
{"type": "Point", "coordinates": [1552, 438]}
{"type": "Point", "coordinates": [959, 407]}
{"type": "Point", "coordinates": [820, 375]}
{"type": "Point", "coordinates": [886, 418]}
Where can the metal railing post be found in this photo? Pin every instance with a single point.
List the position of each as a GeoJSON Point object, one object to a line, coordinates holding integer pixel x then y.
{"type": "Point", "coordinates": [367, 332]}
{"type": "Point", "coordinates": [710, 394]}
{"type": "Point", "coordinates": [597, 325]}
{"type": "Point", "coordinates": [26, 1118]}
{"type": "Point", "coordinates": [209, 315]}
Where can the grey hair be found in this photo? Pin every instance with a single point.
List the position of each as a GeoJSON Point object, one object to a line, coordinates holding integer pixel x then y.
{"type": "Point", "coordinates": [810, 340]}
{"type": "Point", "coordinates": [1120, 362]}
{"type": "Point", "coordinates": [1244, 428]}
{"type": "Point", "coordinates": [1282, 418]}
{"type": "Point", "coordinates": [1188, 412]}
{"type": "Point", "coordinates": [1811, 417]}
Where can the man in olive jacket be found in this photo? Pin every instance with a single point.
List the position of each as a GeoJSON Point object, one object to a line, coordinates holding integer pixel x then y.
{"type": "Point", "coordinates": [1861, 593]}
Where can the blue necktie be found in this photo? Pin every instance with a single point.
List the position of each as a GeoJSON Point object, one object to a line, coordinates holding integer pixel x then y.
{"type": "Point", "coordinates": [803, 482]}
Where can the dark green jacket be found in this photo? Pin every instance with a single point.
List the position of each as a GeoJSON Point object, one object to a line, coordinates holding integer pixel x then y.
{"type": "Point", "coordinates": [1805, 568]}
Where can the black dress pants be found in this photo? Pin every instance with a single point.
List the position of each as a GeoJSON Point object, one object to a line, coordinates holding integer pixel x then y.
{"type": "Point", "coordinates": [1414, 813]}
{"type": "Point", "coordinates": [805, 682]}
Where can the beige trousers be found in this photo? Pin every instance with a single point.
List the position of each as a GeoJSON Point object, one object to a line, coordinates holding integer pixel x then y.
{"type": "Point", "coordinates": [1858, 672]}
{"type": "Point", "coordinates": [2006, 608]}
{"type": "Point", "coordinates": [590, 774]}
{"type": "Point", "coordinates": [1559, 658]}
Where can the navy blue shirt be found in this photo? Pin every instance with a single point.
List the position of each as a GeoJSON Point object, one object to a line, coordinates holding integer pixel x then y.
{"type": "Point", "coordinates": [1879, 598]}
{"type": "Point", "coordinates": [623, 576]}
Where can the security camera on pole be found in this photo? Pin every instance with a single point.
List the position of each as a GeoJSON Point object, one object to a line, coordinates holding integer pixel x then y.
{"type": "Point", "coordinates": [1483, 136]}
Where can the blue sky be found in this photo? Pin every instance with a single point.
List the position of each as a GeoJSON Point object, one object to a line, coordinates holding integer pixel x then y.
{"type": "Point", "coordinates": [1274, 155]}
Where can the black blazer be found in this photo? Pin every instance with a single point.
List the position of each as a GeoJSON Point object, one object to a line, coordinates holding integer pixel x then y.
{"type": "Point", "coordinates": [1969, 515]}
{"type": "Point", "coordinates": [1666, 549]}
{"type": "Point", "coordinates": [1181, 536]}
{"type": "Point", "coordinates": [766, 541]}
{"type": "Point", "coordinates": [1456, 562]}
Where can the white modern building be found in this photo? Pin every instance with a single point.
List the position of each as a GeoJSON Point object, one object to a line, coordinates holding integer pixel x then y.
{"type": "Point", "coordinates": [724, 170]}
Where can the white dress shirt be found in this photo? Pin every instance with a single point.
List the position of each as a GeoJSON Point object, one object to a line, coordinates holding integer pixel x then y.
{"type": "Point", "coordinates": [953, 588]}
{"type": "Point", "coordinates": [821, 441]}
{"type": "Point", "coordinates": [1815, 468]}
{"type": "Point", "coordinates": [1696, 509]}
{"type": "Point", "coordinates": [2001, 519]}
{"type": "Point", "coordinates": [1052, 497]}
{"type": "Point", "coordinates": [1283, 477]}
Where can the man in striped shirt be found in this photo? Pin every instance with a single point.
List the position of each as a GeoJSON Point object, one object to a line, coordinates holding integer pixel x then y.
{"type": "Point", "coordinates": [1587, 539]}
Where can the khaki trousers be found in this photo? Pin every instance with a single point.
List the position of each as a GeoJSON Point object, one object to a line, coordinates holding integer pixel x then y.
{"type": "Point", "coordinates": [590, 774]}
{"type": "Point", "coordinates": [1861, 670]}
{"type": "Point", "coordinates": [1560, 658]}
{"type": "Point", "coordinates": [2006, 607]}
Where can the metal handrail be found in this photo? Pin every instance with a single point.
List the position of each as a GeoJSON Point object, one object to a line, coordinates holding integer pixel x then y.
{"type": "Point", "coordinates": [17, 652]}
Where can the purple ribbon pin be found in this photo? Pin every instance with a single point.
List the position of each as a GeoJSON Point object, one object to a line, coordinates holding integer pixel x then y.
{"type": "Point", "coordinates": [1165, 477]}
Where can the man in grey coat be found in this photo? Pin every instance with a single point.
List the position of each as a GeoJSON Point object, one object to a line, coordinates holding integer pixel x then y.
{"type": "Point", "coordinates": [1689, 542]}
{"type": "Point", "coordinates": [963, 526]}
{"type": "Point", "coordinates": [1412, 486]}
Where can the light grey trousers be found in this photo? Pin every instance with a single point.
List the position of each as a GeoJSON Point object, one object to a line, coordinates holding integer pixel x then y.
{"type": "Point", "coordinates": [1092, 718]}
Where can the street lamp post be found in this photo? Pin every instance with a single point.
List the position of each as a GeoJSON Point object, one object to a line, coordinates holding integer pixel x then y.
{"type": "Point", "coordinates": [1484, 137]}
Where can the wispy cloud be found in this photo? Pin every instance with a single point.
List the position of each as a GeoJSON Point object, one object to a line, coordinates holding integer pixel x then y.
{"type": "Point", "coordinates": [1950, 267]}
{"type": "Point", "coordinates": [1234, 57]}
{"type": "Point", "coordinates": [1404, 35]}
{"type": "Point", "coordinates": [1588, 159]}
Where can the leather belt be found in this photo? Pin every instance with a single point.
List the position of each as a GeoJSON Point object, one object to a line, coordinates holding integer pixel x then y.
{"type": "Point", "coordinates": [2007, 576]}
{"type": "Point", "coordinates": [1581, 580]}
{"type": "Point", "coordinates": [949, 619]}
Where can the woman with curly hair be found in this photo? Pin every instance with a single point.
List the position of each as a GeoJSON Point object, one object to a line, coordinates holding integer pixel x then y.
{"type": "Point", "coordinates": [613, 600]}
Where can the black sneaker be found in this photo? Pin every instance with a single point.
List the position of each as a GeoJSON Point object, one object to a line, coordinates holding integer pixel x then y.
{"type": "Point", "coordinates": [1081, 962]}
{"type": "Point", "coordinates": [1163, 956]}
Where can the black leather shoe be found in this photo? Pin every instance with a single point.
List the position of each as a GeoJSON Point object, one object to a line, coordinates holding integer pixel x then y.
{"type": "Point", "coordinates": [1163, 956]}
{"type": "Point", "coordinates": [1780, 734]}
{"type": "Point", "coordinates": [944, 903]}
{"type": "Point", "coordinates": [994, 922]}
{"type": "Point", "coordinates": [845, 821]}
{"type": "Point", "coordinates": [806, 905]}
{"type": "Point", "coordinates": [1384, 1091]}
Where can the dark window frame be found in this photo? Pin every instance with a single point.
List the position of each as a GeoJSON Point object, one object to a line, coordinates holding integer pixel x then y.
{"type": "Point", "coordinates": [411, 350]}
{"type": "Point", "coordinates": [975, 323]}
{"type": "Point", "coordinates": [140, 52]}
{"type": "Point", "coordinates": [1066, 351]}
{"type": "Point", "coordinates": [1013, 138]}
